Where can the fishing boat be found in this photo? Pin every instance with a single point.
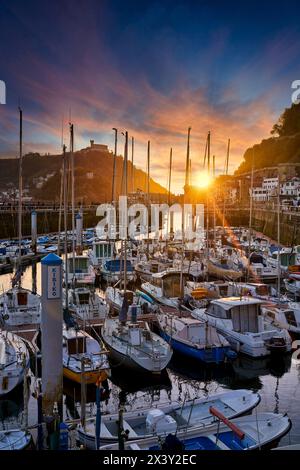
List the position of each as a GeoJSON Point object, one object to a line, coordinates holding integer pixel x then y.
{"type": "Point", "coordinates": [241, 322]}
{"type": "Point", "coordinates": [20, 307]}
{"type": "Point", "coordinates": [14, 439]}
{"type": "Point", "coordinates": [260, 269]}
{"type": "Point", "coordinates": [14, 360]}
{"type": "Point", "coordinates": [222, 270]}
{"type": "Point", "coordinates": [79, 271]}
{"type": "Point", "coordinates": [285, 316]}
{"type": "Point", "coordinates": [166, 287]}
{"type": "Point", "coordinates": [191, 337]}
{"type": "Point", "coordinates": [258, 431]}
{"type": "Point", "coordinates": [100, 252]}
{"type": "Point", "coordinates": [112, 270]}
{"type": "Point", "coordinates": [188, 415]}
{"type": "Point", "coordinates": [86, 304]}
{"type": "Point", "coordinates": [292, 284]}
{"type": "Point", "coordinates": [134, 345]}
{"type": "Point", "coordinates": [145, 269]}
{"type": "Point", "coordinates": [83, 356]}
{"type": "Point", "coordinates": [115, 298]}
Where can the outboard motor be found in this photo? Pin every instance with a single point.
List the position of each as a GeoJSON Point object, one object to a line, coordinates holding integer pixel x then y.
{"type": "Point", "coordinates": [157, 422]}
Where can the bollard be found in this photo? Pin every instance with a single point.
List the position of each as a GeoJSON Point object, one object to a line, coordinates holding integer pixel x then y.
{"type": "Point", "coordinates": [51, 327]}
{"type": "Point", "coordinates": [33, 231]}
{"type": "Point", "coordinates": [79, 225]}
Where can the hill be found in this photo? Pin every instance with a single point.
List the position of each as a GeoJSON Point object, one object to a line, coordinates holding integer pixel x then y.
{"type": "Point", "coordinates": [93, 176]}
{"type": "Point", "coordinates": [282, 147]}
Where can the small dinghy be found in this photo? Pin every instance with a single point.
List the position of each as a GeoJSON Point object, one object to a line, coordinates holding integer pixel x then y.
{"type": "Point", "coordinates": [145, 423]}
{"type": "Point", "coordinates": [262, 430]}
{"type": "Point", "coordinates": [14, 440]}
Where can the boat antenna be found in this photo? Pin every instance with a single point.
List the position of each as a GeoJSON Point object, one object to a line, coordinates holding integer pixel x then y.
{"type": "Point", "coordinates": [20, 190]}
{"type": "Point", "coordinates": [114, 165]}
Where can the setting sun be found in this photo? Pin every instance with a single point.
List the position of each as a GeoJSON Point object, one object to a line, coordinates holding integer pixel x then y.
{"type": "Point", "coordinates": [203, 179]}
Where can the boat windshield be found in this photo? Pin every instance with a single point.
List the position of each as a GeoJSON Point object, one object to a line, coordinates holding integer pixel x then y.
{"type": "Point", "coordinates": [84, 298]}
{"type": "Point", "coordinates": [262, 290]}
{"type": "Point", "coordinates": [171, 286]}
{"type": "Point", "coordinates": [103, 250]}
{"type": "Point", "coordinates": [77, 345]}
{"type": "Point", "coordinates": [81, 265]}
{"type": "Point", "coordinates": [290, 317]}
{"type": "Point", "coordinates": [22, 298]}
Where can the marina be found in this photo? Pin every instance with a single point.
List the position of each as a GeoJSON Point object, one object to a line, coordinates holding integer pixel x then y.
{"type": "Point", "coordinates": [150, 271]}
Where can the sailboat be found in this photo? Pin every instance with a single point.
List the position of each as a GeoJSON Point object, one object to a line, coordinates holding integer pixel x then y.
{"type": "Point", "coordinates": [132, 343]}
{"type": "Point", "coordinates": [82, 354]}
{"type": "Point", "coordinates": [14, 360]}
{"type": "Point", "coordinates": [115, 298]}
{"type": "Point", "coordinates": [86, 305]}
{"type": "Point", "coordinates": [19, 307]}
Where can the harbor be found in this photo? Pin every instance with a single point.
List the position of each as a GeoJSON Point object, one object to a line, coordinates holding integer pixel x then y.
{"type": "Point", "coordinates": [149, 234]}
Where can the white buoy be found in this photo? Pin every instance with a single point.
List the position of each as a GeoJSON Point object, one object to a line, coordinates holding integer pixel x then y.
{"type": "Point", "coordinates": [51, 326]}
{"type": "Point", "coordinates": [79, 224]}
{"type": "Point", "coordinates": [33, 230]}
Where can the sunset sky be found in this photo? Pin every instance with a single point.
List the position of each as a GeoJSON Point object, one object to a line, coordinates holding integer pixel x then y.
{"type": "Point", "coordinates": [152, 68]}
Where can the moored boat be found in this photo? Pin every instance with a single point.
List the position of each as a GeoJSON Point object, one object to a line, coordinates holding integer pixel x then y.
{"type": "Point", "coordinates": [84, 358]}
{"type": "Point", "coordinates": [144, 423]}
{"type": "Point", "coordinates": [258, 431]}
{"type": "Point", "coordinates": [193, 338]}
{"type": "Point", "coordinates": [241, 322]}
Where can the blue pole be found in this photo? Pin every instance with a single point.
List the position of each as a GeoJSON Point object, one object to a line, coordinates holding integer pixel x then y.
{"type": "Point", "coordinates": [98, 415]}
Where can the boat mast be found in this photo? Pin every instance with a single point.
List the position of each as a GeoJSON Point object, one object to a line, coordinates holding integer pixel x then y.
{"type": "Point", "coordinates": [148, 195]}
{"type": "Point", "coordinates": [72, 196]}
{"type": "Point", "coordinates": [187, 181]}
{"type": "Point", "coordinates": [251, 210]}
{"type": "Point", "coordinates": [169, 194]}
{"type": "Point", "coordinates": [214, 201]}
{"type": "Point", "coordinates": [61, 191]}
{"type": "Point", "coordinates": [207, 198]}
{"type": "Point", "coordinates": [226, 173]}
{"type": "Point", "coordinates": [114, 165]}
{"type": "Point", "coordinates": [278, 236]}
{"type": "Point", "coordinates": [125, 194]}
{"type": "Point", "coordinates": [132, 168]}
{"type": "Point", "coordinates": [20, 190]}
{"type": "Point", "coordinates": [66, 222]}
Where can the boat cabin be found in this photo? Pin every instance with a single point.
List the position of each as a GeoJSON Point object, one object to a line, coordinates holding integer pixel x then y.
{"type": "Point", "coordinates": [169, 282]}
{"type": "Point", "coordinates": [103, 250]}
{"type": "Point", "coordinates": [243, 312]}
{"type": "Point", "coordinates": [81, 265]}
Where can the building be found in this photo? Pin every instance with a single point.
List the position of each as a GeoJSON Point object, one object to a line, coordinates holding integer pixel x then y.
{"type": "Point", "coordinates": [259, 194]}
{"type": "Point", "coordinates": [291, 187]}
{"type": "Point", "coordinates": [93, 147]}
{"type": "Point", "coordinates": [270, 184]}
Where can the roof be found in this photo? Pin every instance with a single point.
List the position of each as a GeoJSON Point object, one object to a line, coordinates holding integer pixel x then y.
{"type": "Point", "coordinates": [228, 302]}
{"type": "Point", "coordinates": [168, 272]}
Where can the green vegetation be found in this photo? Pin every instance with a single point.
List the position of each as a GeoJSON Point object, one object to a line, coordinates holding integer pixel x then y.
{"type": "Point", "coordinates": [282, 147]}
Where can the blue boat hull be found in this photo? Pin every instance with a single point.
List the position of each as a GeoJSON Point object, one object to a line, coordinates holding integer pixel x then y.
{"type": "Point", "coordinates": [213, 355]}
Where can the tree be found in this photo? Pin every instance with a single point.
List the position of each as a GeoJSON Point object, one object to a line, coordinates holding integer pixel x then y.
{"type": "Point", "coordinates": [289, 122]}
